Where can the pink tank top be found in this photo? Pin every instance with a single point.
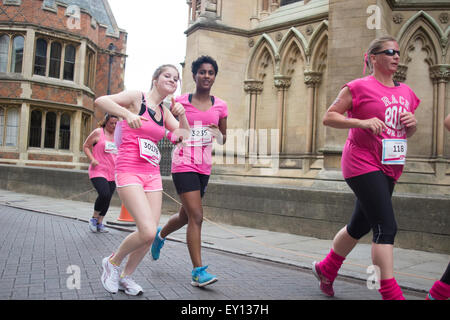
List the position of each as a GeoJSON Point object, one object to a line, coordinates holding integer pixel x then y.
{"type": "Point", "coordinates": [194, 155]}
{"type": "Point", "coordinates": [365, 152]}
{"type": "Point", "coordinates": [138, 152]}
{"type": "Point", "coordinates": [105, 152]}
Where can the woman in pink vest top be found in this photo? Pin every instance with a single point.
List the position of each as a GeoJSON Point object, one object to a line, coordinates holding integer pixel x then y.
{"type": "Point", "coordinates": [137, 173]}
{"type": "Point", "coordinates": [101, 150]}
{"type": "Point", "coordinates": [380, 116]}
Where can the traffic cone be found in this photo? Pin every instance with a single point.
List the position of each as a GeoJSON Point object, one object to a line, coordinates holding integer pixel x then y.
{"type": "Point", "coordinates": [124, 219]}
{"type": "Point", "coordinates": [125, 215]}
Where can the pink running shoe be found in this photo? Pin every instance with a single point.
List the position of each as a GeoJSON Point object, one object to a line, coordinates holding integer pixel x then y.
{"type": "Point", "coordinates": [326, 286]}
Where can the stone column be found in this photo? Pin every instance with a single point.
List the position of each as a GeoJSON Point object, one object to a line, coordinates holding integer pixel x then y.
{"type": "Point", "coordinates": [440, 74]}
{"type": "Point", "coordinates": [23, 133]}
{"type": "Point", "coordinates": [312, 80]}
{"type": "Point", "coordinates": [28, 53]}
{"type": "Point", "coordinates": [253, 88]}
{"type": "Point", "coordinates": [76, 129]}
{"type": "Point", "coordinates": [282, 83]}
{"type": "Point", "coordinates": [81, 63]}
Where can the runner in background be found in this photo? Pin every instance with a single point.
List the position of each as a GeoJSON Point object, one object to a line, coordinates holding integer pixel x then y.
{"type": "Point", "coordinates": [101, 150]}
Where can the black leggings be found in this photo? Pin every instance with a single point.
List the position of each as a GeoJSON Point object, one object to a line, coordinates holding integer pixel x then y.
{"type": "Point", "coordinates": [446, 276]}
{"type": "Point", "coordinates": [105, 191]}
{"type": "Point", "coordinates": [373, 207]}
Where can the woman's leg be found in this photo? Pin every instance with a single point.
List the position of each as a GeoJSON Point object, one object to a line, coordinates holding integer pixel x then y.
{"type": "Point", "coordinates": [103, 199]}
{"type": "Point", "coordinates": [175, 222]}
{"type": "Point", "coordinates": [137, 204]}
{"type": "Point", "coordinates": [192, 204]}
{"type": "Point", "coordinates": [374, 191]}
{"type": "Point", "coordinates": [155, 202]}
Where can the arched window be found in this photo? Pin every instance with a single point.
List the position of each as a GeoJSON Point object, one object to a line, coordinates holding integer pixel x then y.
{"type": "Point", "coordinates": [64, 132]}
{"type": "Point", "coordinates": [50, 130]}
{"type": "Point", "coordinates": [89, 70]}
{"type": "Point", "coordinates": [35, 129]}
{"type": "Point", "coordinates": [69, 62]}
{"type": "Point", "coordinates": [17, 54]}
{"type": "Point", "coordinates": [12, 127]}
{"type": "Point", "coordinates": [4, 49]}
{"type": "Point", "coordinates": [55, 60]}
{"type": "Point", "coordinates": [40, 57]}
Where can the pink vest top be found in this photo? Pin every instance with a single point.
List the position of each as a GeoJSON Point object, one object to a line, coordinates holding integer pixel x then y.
{"type": "Point", "coordinates": [196, 157]}
{"type": "Point", "coordinates": [105, 152]}
{"type": "Point", "coordinates": [138, 151]}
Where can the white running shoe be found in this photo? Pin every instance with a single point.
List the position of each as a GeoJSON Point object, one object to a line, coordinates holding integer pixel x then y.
{"type": "Point", "coordinates": [93, 224]}
{"type": "Point", "coordinates": [129, 286]}
{"type": "Point", "coordinates": [110, 276]}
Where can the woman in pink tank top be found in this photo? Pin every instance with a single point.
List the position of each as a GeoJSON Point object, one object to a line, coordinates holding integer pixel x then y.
{"type": "Point", "coordinates": [101, 150]}
{"type": "Point", "coordinates": [380, 119]}
{"type": "Point", "coordinates": [137, 174]}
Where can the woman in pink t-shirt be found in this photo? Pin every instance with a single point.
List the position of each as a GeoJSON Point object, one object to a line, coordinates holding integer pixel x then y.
{"type": "Point", "coordinates": [101, 150]}
{"type": "Point", "coordinates": [191, 164]}
{"type": "Point", "coordinates": [137, 173]}
{"type": "Point", "coordinates": [380, 118]}
{"type": "Point", "coordinates": [441, 288]}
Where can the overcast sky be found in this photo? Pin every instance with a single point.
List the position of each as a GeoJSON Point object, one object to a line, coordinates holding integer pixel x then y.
{"type": "Point", "coordinates": [155, 37]}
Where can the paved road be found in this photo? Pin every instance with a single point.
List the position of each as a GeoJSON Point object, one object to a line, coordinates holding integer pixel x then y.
{"type": "Point", "coordinates": [37, 249]}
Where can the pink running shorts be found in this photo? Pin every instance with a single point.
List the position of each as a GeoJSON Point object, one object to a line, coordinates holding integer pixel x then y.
{"type": "Point", "coordinates": [149, 182]}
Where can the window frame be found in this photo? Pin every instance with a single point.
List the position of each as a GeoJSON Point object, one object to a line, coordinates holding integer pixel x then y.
{"type": "Point", "coordinates": [10, 64]}
{"type": "Point", "coordinates": [4, 126]}
{"type": "Point", "coordinates": [62, 58]}
{"type": "Point", "coordinates": [55, 138]}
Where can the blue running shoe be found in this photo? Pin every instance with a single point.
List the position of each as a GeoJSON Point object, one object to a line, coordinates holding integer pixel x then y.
{"type": "Point", "coordinates": [201, 278]}
{"type": "Point", "coordinates": [157, 245]}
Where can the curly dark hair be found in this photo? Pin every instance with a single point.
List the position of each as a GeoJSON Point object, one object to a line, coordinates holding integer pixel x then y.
{"type": "Point", "coordinates": [204, 59]}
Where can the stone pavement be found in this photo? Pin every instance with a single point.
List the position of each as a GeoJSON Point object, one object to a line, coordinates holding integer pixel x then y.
{"type": "Point", "coordinates": [50, 243]}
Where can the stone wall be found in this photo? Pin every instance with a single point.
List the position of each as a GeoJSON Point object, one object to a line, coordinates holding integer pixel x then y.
{"type": "Point", "coordinates": [422, 220]}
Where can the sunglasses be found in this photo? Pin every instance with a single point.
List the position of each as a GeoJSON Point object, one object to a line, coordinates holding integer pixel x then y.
{"type": "Point", "coordinates": [389, 52]}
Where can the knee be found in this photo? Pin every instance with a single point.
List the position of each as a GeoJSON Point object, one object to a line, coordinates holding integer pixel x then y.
{"type": "Point", "coordinates": [384, 233]}
{"type": "Point", "coordinates": [104, 195]}
{"type": "Point", "coordinates": [147, 235]}
{"type": "Point", "coordinates": [357, 232]}
{"type": "Point", "coordinates": [196, 218]}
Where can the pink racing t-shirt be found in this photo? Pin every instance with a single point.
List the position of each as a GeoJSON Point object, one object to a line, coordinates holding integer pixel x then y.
{"type": "Point", "coordinates": [138, 151]}
{"type": "Point", "coordinates": [363, 151]}
{"type": "Point", "coordinates": [105, 152]}
{"type": "Point", "coordinates": [194, 155]}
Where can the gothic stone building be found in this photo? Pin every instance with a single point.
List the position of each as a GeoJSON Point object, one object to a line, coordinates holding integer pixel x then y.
{"type": "Point", "coordinates": [56, 57]}
{"type": "Point", "coordinates": [283, 62]}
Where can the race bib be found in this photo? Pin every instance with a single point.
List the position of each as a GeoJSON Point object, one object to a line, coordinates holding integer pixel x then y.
{"type": "Point", "coordinates": [200, 136]}
{"type": "Point", "coordinates": [149, 151]}
{"type": "Point", "coordinates": [110, 147]}
{"type": "Point", "coordinates": [394, 151]}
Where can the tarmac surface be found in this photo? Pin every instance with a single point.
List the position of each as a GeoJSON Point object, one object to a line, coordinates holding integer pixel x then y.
{"type": "Point", "coordinates": [48, 252]}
